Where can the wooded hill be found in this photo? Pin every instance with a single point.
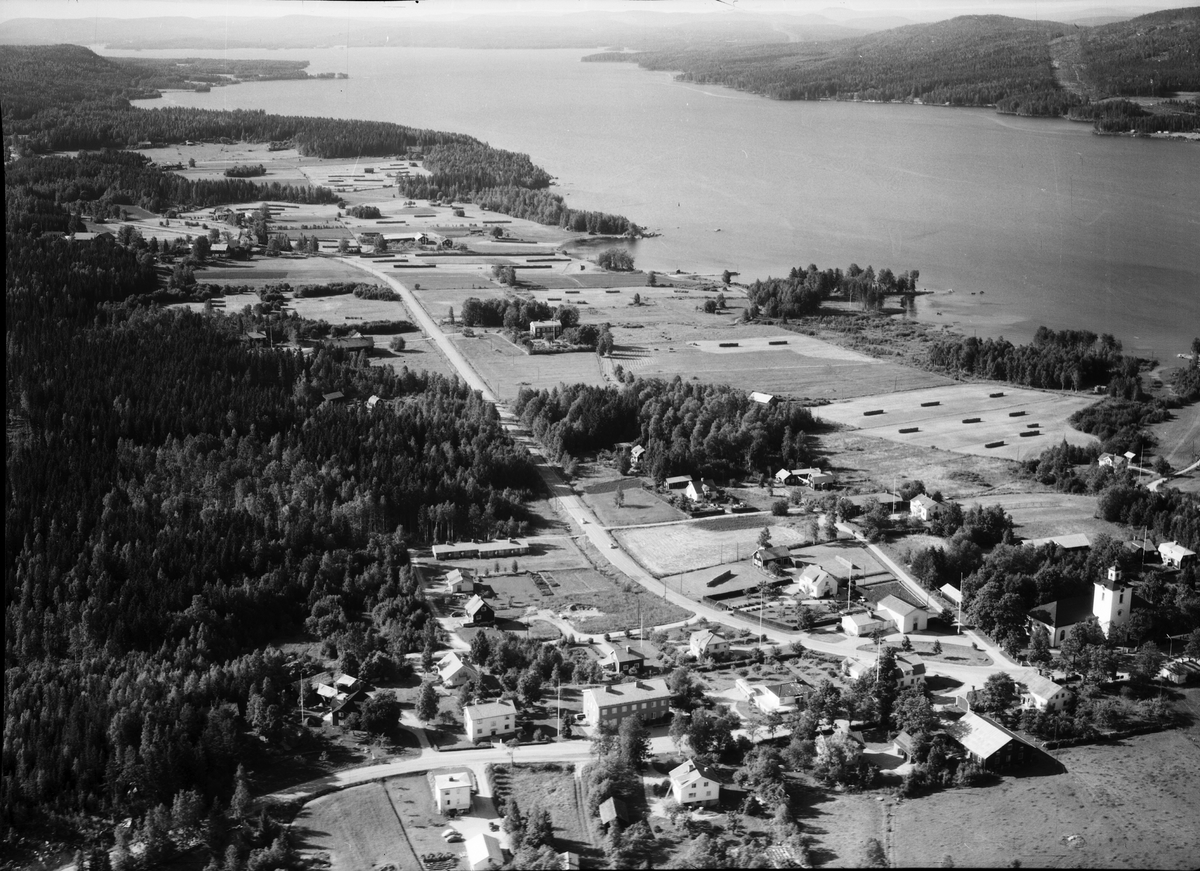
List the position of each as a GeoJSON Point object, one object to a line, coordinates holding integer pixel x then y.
{"type": "Point", "coordinates": [977, 60]}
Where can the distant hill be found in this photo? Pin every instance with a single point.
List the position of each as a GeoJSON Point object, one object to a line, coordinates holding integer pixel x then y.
{"type": "Point", "coordinates": [1152, 55]}
{"type": "Point", "coordinates": [972, 60]}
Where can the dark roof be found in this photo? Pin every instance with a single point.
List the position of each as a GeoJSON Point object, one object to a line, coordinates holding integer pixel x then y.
{"type": "Point", "coordinates": [876, 593]}
{"type": "Point", "coordinates": [1068, 613]}
{"type": "Point", "coordinates": [774, 553]}
{"type": "Point", "coordinates": [334, 397]}
{"type": "Point", "coordinates": [613, 809]}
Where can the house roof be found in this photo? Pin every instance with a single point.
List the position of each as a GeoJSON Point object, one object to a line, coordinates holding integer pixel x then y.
{"type": "Point", "coordinates": [455, 668]}
{"type": "Point", "coordinates": [814, 573]}
{"type": "Point", "coordinates": [773, 553]}
{"type": "Point", "coordinates": [1042, 687]}
{"type": "Point", "coordinates": [862, 619]}
{"type": "Point", "coordinates": [451, 781]}
{"type": "Point", "coordinates": [1174, 549]}
{"type": "Point", "coordinates": [475, 604]}
{"type": "Point", "coordinates": [951, 592]}
{"type": "Point", "coordinates": [691, 771]}
{"type": "Point", "coordinates": [786, 689]}
{"type": "Point", "coordinates": [980, 736]}
{"type": "Point", "coordinates": [681, 480]}
{"type": "Point", "coordinates": [898, 606]}
{"type": "Point", "coordinates": [1075, 541]}
{"type": "Point", "coordinates": [633, 691]}
{"type": "Point", "coordinates": [705, 637]}
{"type": "Point", "coordinates": [905, 742]}
{"type": "Point", "coordinates": [637, 451]}
{"type": "Point", "coordinates": [618, 654]}
{"type": "Point", "coordinates": [761, 397]}
{"type": "Point", "coordinates": [613, 809]}
{"type": "Point", "coordinates": [923, 500]}
{"type": "Point", "coordinates": [553, 324]}
{"type": "Point", "coordinates": [482, 849]}
{"type": "Point", "coordinates": [489, 709]}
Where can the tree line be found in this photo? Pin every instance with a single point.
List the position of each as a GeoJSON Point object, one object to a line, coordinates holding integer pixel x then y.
{"type": "Point", "coordinates": [685, 427]}
{"type": "Point", "coordinates": [804, 290]}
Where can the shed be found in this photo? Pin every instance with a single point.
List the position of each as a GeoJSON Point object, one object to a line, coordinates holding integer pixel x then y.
{"type": "Point", "coordinates": [483, 852]}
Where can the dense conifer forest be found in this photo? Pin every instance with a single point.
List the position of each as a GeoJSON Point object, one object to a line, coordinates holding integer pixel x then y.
{"type": "Point", "coordinates": [685, 427]}
{"type": "Point", "coordinates": [975, 60]}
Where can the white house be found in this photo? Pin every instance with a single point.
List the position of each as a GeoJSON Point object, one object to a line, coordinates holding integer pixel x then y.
{"type": "Point", "coordinates": [1044, 694]}
{"type": "Point", "coordinates": [923, 508]}
{"type": "Point", "coordinates": [909, 671]}
{"type": "Point", "coordinates": [454, 672]}
{"type": "Point", "coordinates": [484, 853]}
{"type": "Point", "coordinates": [699, 491]}
{"type": "Point", "coordinates": [489, 720]}
{"type": "Point", "coordinates": [763, 398]}
{"type": "Point", "coordinates": [546, 329]}
{"type": "Point", "coordinates": [452, 792]}
{"type": "Point", "coordinates": [635, 456]}
{"type": "Point", "coordinates": [816, 583]}
{"type": "Point", "coordinates": [651, 699]}
{"type": "Point", "coordinates": [905, 616]}
{"type": "Point", "coordinates": [815, 478]}
{"type": "Point", "coordinates": [693, 784]}
{"type": "Point", "coordinates": [705, 642]}
{"type": "Point", "coordinates": [861, 623]}
{"type": "Point", "coordinates": [767, 697]}
{"type": "Point", "coordinates": [1175, 554]}
{"type": "Point", "coordinates": [1113, 461]}
{"type": "Point", "coordinates": [458, 581]}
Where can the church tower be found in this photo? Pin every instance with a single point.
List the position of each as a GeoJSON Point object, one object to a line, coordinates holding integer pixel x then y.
{"type": "Point", "coordinates": [1112, 601]}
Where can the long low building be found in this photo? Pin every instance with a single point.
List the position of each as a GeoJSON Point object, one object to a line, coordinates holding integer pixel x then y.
{"type": "Point", "coordinates": [480, 550]}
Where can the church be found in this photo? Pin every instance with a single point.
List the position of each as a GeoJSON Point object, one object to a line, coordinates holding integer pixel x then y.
{"type": "Point", "coordinates": [1111, 603]}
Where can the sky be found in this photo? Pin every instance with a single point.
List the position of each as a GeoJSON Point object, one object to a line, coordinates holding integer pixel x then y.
{"type": "Point", "coordinates": [916, 10]}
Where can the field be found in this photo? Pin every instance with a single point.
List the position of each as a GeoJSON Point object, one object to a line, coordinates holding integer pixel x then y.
{"type": "Point", "coordinates": [553, 788]}
{"type": "Point", "coordinates": [685, 547]}
{"type": "Point", "coordinates": [419, 353]}
{"type": "Point", "coordinates": [1039, 515]}
{"type": "Point", "coordinates": [357, 828]}
{"type": "Point", "coordinates": [412, 798]}
{"type": "Point", "coordinates": [1000, 419]}
{"type": "Point", "coordinates": [640, 505]}
{"type": "Point", "coordinates": [1130, 804]}
{"type": "Point", "coordinates": [840, 825]}
{"type": "Point", "coordinates": [505, 368]}
{"type": "Point", "coordinates": [294, 269]}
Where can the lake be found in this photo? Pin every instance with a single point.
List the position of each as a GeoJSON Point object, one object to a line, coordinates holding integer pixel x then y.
{"type": "Point", "coordinates": [1027, 221]}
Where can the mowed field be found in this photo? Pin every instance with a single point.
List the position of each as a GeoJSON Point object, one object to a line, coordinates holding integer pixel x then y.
{"type": "Point", "coordinates": [1039, 515]}
{"type": "Point", "coordinates": [506, 368]}
{"type": "Point", "coordinates": [684, 547]}
{"type": "Point", "coordinates": [640, 505]}
{"type": "Point", "coordinates": [358, 828]}
{"type": "Point", "coordinates": [1130, 804]}
{"type": "Point", "coordinates": [294, 269]}
{"type": "Point", "coordinates": [1001, 418]}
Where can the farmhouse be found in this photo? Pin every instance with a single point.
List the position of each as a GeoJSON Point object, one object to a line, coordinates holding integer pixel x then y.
{"type": "Point", "coordinates": [254, 337]}
{"type": "Point", "coordinates": [454, 672]}
{"type": "Point", "coordinates": [1175, 554]}
{"type": "Point", "coordinates": [699, 491]}
{"type": "Point", "coordinates": [1043, 694]}
{"type": "Point", "coordinates": [705, 642]}
{"type": "Point", "coordinates": [1112, 461]}
{"type": "Point", "coordinates": [815, 478]}
{"type": "Point", "coordinates": [635, 456]}
{"type": "Point", "coordinates": [694, 784]}
{"type": "Point", "coordinates": [767, 697]}
{"type": "Point", "coordinates": [765, 556]}
{"type": "Point", "coordinates": [479, 613]}
{"type": "Point", "coordinates": [923, 508]}
{"type": "Point", "coordinates": [489, 719]}
{"type": "Point", "coordinates": [862, 623]}
{"type": "Point", "coordinates": [545, 329]}
{"type": "Point", "coordinates": [905, 616]}
{"type": "Point", "coordinates": [816, 583]}
{"type": "Point", "coordinates": [619, 658]}
{"type": "Point", "coordinates": [349, 704]}
{"type": "Point", "coordinates": [452, 792]}
{"type": "Point", "coordinates": [353, 342]}
{"type": "Point", "coordinates": [484, 853]}
{"type": "Point", "coordinates": [1111, 603]}
{"type": "Point", "coordinates": [988, 744]}
{"type": "Point", "coordinates": [458, 581]}
{"type": "Point", "coordinates": [610, 704]}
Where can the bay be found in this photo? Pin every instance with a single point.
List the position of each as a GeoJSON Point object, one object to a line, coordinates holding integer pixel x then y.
{"type": "Point", "coordinates": [1027, 221]}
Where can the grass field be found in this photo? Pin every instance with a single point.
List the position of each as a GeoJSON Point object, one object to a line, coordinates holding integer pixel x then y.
{"type": "Point", "coordinates": [685, 547]}
{"type": "Point", "coordinates": [1131, 804]}
{"type": "Point", "coordinates": [357, 828]}
{"type": "Point", "coordinates": [294, 269]}
{"type": "Point", "coordinates": [1039, 515]}
{"type": "Point", "coordinates": [553, 787]}
{"type": "Point", "coordinates": [505, 368]}
{"type": "Point", "coordinates": [942, 426]}
{"type": "Point", "coordinates": [839, 825]}
{"type": "Point", "coordinates": [640, 505]}
{"type": "Point", "coordinates": [412, 798]}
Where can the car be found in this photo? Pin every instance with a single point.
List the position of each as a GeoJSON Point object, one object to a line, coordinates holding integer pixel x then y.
{"type": "Point", "coordinates": [456, 838]}
{"type": "Point", "coordinates": [614, 545]}
{"type": "Point", "coordinates": [579, 718]}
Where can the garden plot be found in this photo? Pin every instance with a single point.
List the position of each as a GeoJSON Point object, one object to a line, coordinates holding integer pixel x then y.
{"type": "Point", "coordinates": [966, 418]}
{"type": "Point", "coordinates": [684, 547]}
{"type": "Point", "coordinates": [358, 827]}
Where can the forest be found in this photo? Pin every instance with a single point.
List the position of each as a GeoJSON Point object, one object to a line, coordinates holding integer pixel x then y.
{"type": "Point", "coordinates": [977, 60]}
{"type": "Point", "coordinates": [1058, 360]}
{"type": "Point", "coordinates": [803, 291]}
{"type": "Point", "coordinates": [177, 499]}
{"type": "Point", "coordinates": [685, 427]}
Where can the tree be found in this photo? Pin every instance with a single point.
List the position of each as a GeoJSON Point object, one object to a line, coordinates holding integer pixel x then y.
{"type": "Point", "coordinates": [637, 299]}
{"type": "Point", "coordinates": [633, 742]}
{"type": "Point", "coordinates": [615, 260]}
{"type": "Point", "coordinates": [779, 508]}
{"type": "Point", "coordinates": [1039, 645]}
{"type": "Point", "coordinates": [764, 537]}
{"type": "Point", "coordinates": [530, 686]}
{"type": "Point", "coordinates": [999, 692]}
{"type": "Point", "coordinates": [913, 713]}
{"type": "Point", "coordinates": [568, 316]}
{"type": "Point", "coordinates": [652, 279]}
{"type": "Point", "coordinates": [905, 644]}
{"type": "Point", "coordinates": [1146, 664]}
{"type": "Point", "coordinates": [726, 277]}
{"type": "Point", "coordinates": [685, 687]}
{"type": "Point", "coordinates": [481, 649]}
{"type": "Point", "coordinates": [381, 713]}
{"type": "Point", "coordinates": [497, 232]}
{"type": "Point", "coordinates": [874, 856]}
{"type": "Point", "coordinates": [397, 344]}
{"type": "Point", "coordinates": [427, 702]}
{"type": "Point", "coordinates": [239, 805]}
{"type": "Point", "coordinates": [937, 647]}
{"type": "Point", "coordinates": [514, 821]}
